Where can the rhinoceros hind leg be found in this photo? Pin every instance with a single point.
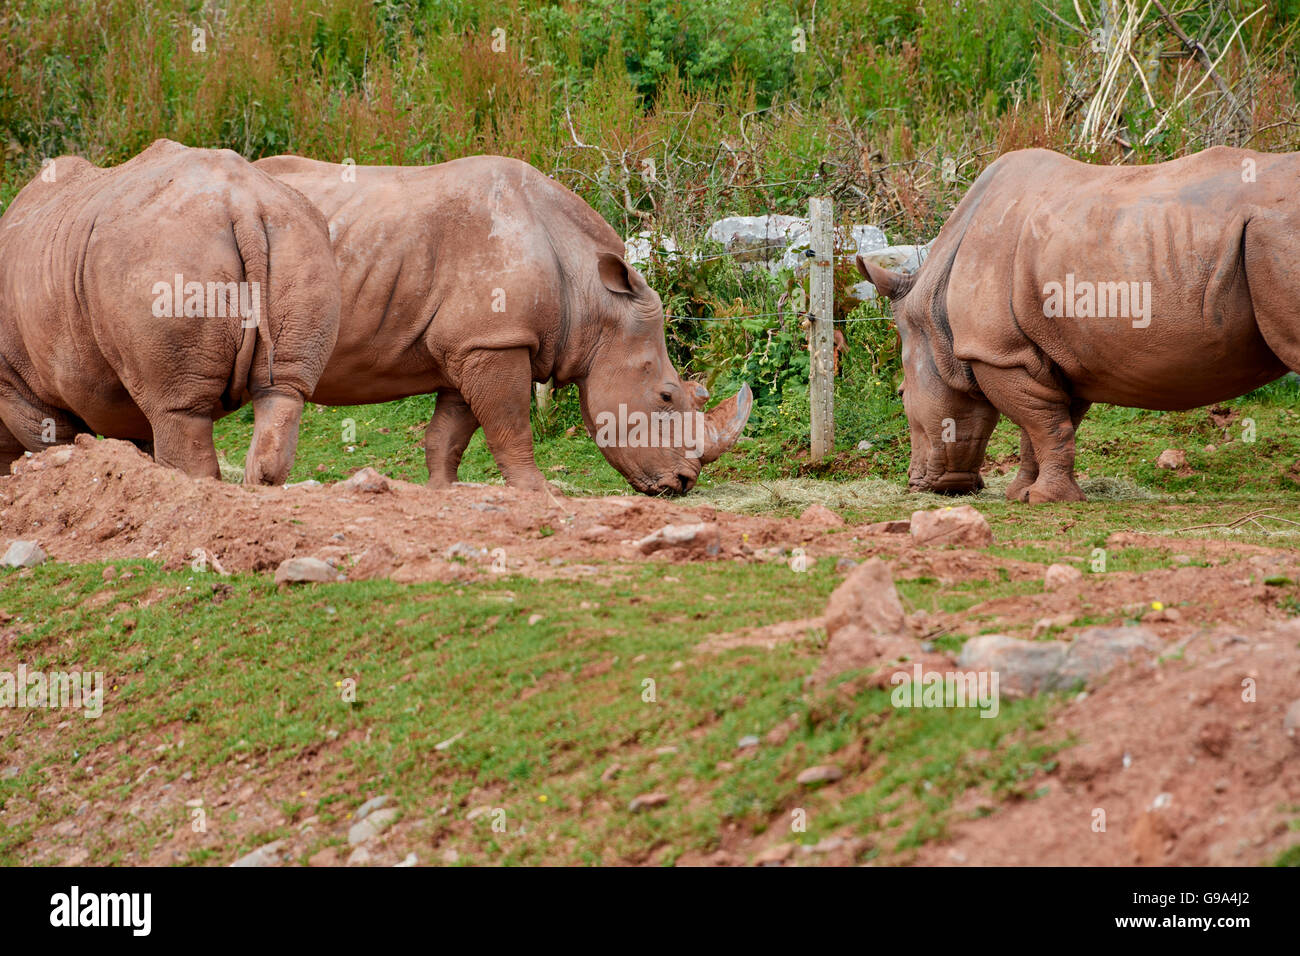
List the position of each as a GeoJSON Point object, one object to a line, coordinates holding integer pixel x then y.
{"type": "Point", "coordinates": [183, 440]}
{"type": "Point", "coordinates": [1047, 417]}
{"type": "Point", "coordinates": [276, 417]}
{"type": "Point", "coordinates": [497, 385]}
{"type": "Point", "coordinates": [447, 436]}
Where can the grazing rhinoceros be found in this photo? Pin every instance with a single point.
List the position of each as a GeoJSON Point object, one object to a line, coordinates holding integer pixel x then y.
{"type": "Point", "coordinates": [146, 300]}
{"type": "Point", "coordinates": [477, 277]}
{"type": "Point", "coordinates": [1056, 284]}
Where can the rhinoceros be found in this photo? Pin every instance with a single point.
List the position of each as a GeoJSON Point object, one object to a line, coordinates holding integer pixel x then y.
{"type": "Point", "coordinates": [1056, 284]}
{"type": "Point", "coordinates": [477, 277]}
{"type": "Point", "coordinates": [145, 300]}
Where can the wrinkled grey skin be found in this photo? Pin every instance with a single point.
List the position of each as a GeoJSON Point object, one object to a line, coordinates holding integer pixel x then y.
{"type": "Point", "coordinates": [1215, 236]}
{"type": "Point", "coordinates": [81, 348]}
{"type": "Point", "coordinates": [477, 277]}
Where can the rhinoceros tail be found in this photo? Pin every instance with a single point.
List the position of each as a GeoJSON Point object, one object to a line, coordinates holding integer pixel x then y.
{"type": "Point", "coordinates": [254, 251]}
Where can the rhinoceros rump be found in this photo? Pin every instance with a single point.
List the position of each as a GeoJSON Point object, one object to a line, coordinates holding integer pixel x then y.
{"type": "Point", "coordinates": [475, 278]}
{"type": "Point", "coordinates": [1056, 284]}
{"type": "Point", "coordinates": [120, 307]}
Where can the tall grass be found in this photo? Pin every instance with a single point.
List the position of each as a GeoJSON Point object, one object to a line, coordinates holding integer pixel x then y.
{"type": "Point", "coordinates": [663, 115]}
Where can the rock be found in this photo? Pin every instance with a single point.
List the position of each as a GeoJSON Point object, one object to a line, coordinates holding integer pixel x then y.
{"type": "Point", "coordinates": [460, 551]}
{"type": "Point", "coordinates": [962, 526]}
{"type": "Point", "coordinates": [371, 805]}
{"type": "Point", "coordinates": [10, 772]}
{"type": "Point", "coordinates": [757, 237]}
{"type": "Point", "coordinates": [368, 481]}
{"type": "Point", "coordinates": [305, 570]}
{"type": "Point", "coordinates": [597, 532]}
{"type": "Point", "coordinates": [1099, 650]}
{"type": "Point", "coordinates": [450, 856]}
{"type": "Point", "coordinates": [639, 248]}
{"type": "Point", "coordinates": [702, 539]}
{"type": "Point", "coordinates": [1059, 575]}
{"type": "Point", "coordinates": [822, 773]}
{"type": "Point", "coordinates": [268, 855]}
{"type": "Point", "coordinates": [888, 527]}
{"type": "Point", "coordinates": [360, 857]}
{"type": "Point", "coordinates": [845, 565]}
{"type": "Point", "coordinates": [865, 622]}
{"type": "Point", "coordinates": [647, 800]}
{"type": "Point", "coordinates": [898, 258]}
{"type": "Point", "coordinates": [377, 561]}
{"type": "Point", "coordinates": [1172, 458]}
{"type": "Point", "coordinates": [1023, 667]}
{"type": "Point", "coordinates": [374, 823]}
{"type": "Point", "coordinates": [410, 860]}
{"type": "Point", "coordinates": [774, 855]}
{"type": "Point", "coordinates": [862, 292]}
{"type": "Point", "coordinates": [749, 740]}
{"type": "Point", "coordinates": [307, 485]}
{"type": "Point", "coordinates": [1291, 722]}
{"type": "Point", "coordinates": [23, 554]}
{"type": "Point", "coordinates": [820, 516]}
{"type": "Point", "coordinates": [1032, 667]}
{"type": "Point", "coordinates": [865, 445]}
{"type": "Point", "coordinates": [611, 772]}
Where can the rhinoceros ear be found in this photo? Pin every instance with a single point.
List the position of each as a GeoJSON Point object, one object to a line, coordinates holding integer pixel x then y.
{"type": "Point", "coordinates": [617, 276]}
{"type": "Point", "coordinates": [892, 285]}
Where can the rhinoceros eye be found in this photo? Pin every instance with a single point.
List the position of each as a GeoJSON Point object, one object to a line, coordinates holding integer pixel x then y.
{"type": "Point", "coordinates": [665, 396]}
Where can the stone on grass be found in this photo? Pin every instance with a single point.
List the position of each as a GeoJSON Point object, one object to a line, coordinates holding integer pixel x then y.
{"type": "Point", "coordinates": [305, 571]}
{"type": "Point", "coordinates": [864, 621]}
{"type": "Point", "coordinates": [375, 823]}
{"type": "Point", "coordinates": [23, 554]}
{"type": "Point", "coordinates": [1059, 575]}
{"type": "Point", "coordinates": [962, 526]}
{"type": "Point", "coordinates": [267, 855]}
{"type": "Point", "coordinates": [701, 539]}
{"type": "Point", "coordinates": [822, 773]}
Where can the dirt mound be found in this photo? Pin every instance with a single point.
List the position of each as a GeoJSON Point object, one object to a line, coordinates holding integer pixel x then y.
{"type": "Point", "coordinates": [105, 500]}
{"type": "Point", "coordinates": [1186, 762]}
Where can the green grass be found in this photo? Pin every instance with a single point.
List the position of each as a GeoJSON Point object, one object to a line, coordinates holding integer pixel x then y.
{"type": "Point", "coordinates": [219, 676]}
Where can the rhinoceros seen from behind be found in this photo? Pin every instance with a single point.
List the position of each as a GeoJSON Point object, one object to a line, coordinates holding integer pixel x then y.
{"type": "Point", "coordinates": [1056, 284]}
{"type": "Point", "coordinates": [475, 278]}
{"type": "Point", "coordinates": [146, 300]}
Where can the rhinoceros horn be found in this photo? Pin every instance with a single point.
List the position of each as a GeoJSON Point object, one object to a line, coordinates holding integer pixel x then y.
{"type": "Point", "coordinates": [723, 425]}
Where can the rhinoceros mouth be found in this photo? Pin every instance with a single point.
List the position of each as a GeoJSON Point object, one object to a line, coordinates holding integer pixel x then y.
{"type": "Point", "coordinates": [950, 483]}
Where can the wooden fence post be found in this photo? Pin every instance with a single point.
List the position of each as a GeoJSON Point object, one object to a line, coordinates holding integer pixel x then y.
{"type": "Point", "coordinates": [542, 391]}
{"type": "Point", "coordinates": [821, 345]}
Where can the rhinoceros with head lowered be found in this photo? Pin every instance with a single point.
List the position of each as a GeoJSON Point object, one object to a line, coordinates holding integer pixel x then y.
{"type": "Point", "coordinates": [475, 278]}
{"type": "Point", "coordinates": [1056, 284]}
{"type": "Point", "coordinates": [146, 300]}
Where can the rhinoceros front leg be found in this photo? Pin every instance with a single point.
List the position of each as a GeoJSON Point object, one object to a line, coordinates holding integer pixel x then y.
{"type": "Point", "coordinates": [1028, 474]}
{"type": "Point", "coordinates": [447, 436]}
{"type": "Point", "coordinates": [1047, 417]}
{"type": "Point", "coordinates": [497, 385]}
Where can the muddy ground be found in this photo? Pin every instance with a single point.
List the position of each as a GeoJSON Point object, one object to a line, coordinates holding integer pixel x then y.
{"type": "Point", "coordinates": [1185, 767]}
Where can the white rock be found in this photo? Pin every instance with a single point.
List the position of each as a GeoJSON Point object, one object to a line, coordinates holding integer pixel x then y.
{"type": "Point", "coordinates": [23, 554]}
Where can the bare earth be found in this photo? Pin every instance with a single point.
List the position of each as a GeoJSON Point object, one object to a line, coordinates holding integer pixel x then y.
{"type": "Point", "coordinates": [1185, 771]}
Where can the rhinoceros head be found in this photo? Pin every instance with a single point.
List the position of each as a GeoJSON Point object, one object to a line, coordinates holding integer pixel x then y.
{"type": "Point", "coordinates": [949, 419]}
{"type": "Point", "coordinates": [647, 421]}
